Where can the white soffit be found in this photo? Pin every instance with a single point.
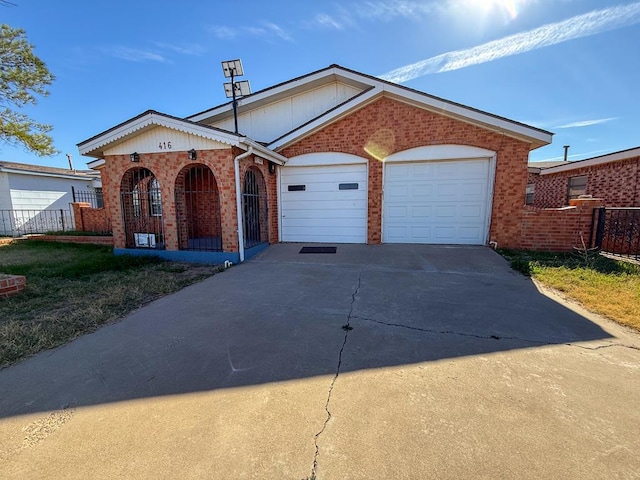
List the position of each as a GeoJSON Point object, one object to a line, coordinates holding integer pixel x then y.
{"type": "Point", "coordinates": [95, 146]}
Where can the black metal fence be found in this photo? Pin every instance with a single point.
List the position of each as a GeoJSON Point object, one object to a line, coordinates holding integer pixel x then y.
{"type": "Point", "coordinates": [93, 197]}
{"type": "Point", "coordinates": [618, 231]}
{"type": "Point", "coordinates": [16, 223]}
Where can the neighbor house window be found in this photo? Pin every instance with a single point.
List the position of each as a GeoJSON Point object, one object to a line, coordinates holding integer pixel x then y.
{"type": "Point", "coordinates": [576, 186]}
{"type": "Point", "coordinates": [528, 199]}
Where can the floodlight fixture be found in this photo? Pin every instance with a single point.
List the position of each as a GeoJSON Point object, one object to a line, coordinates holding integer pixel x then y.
{"type": "Point", "coordinates": [233, 89]}
{"type": "Point", "coordinates": [232, 68]}
{"type": "Point", "coordinates": [239, 89]}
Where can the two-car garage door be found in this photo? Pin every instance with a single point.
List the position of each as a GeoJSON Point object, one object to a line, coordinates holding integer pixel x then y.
{"type": "Point", "coordinates": [440, 200]}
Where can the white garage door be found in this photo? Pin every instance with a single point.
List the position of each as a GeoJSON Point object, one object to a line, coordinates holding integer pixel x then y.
{"type": "Point", "coordinates": [441, 202]}
{"type": "Point", "coordinates": [324, 203]}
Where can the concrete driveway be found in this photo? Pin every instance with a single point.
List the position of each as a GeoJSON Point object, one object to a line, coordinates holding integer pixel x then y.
{"type": "Point", "coordinates": [399, 362]}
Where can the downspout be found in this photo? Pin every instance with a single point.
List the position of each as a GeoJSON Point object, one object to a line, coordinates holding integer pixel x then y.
{"type": "Point", "coordinates": [236, 168]}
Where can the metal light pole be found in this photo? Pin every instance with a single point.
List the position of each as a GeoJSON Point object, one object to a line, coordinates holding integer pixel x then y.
{"type": "Point", "coordinates": [233, 89]}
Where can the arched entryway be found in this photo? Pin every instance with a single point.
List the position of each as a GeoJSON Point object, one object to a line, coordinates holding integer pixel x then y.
{"type": "Point", "coordinates": [142, 211]}
{"type": "Point", "coordinates": [254, 209]}
{"type": "Point", "coordinates": [198, 209]}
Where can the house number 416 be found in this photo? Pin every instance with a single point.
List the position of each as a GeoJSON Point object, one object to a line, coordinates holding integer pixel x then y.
{"type": "Point", "coordinates": [164, 145]}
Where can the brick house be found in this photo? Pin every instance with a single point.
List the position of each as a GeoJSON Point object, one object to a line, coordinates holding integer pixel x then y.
{"type": "Point", "coordinates": [614, 178]}
{"type": "Point", "coordinates": [333, 156]}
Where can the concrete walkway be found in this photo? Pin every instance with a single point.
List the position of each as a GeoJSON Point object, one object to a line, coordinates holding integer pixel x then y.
{"type": "Point", "coordinates": [399, 362]}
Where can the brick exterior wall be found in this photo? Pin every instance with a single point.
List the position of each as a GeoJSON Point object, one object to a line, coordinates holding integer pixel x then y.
{"type": "Point", "coordinates": [558, 229]}
{"type": "Point", "coordinates": [168, 167]}
{"type": "Point", "coordinates": [616, 183]}
{"type": "Point", "coordinates": [388, 126]}
{"type": "Point", "coordinates": [11, 285]}
{"type": "Point", "coordinates": [90, 219]}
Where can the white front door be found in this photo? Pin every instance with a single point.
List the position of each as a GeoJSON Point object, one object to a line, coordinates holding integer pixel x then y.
{"type": "Point", "coordinates": [324, 203]}
{"type": "Point", "coordinates": [439, 202]}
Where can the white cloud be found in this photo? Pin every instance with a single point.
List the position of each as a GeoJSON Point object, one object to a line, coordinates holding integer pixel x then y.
{"type": "Point", "coordinates": [267, 29]}
{"type": "Point", "coordinates": [278, 31]}
{"type": "Point", "coordinates": [389, 10]}
{"type": "Point", "coordinates": [591, 23]}
{"type": "Point", "coordinates": [328, 21]}
{"type": "Point", "coordinates": [134, 54]}
{"type": "Point", "coordinates": [574, 156]}
{"type": "Point", "coordinates": [587, 123]}
{"type": "Point", "coordinates": [193, 49]}
{"type": "Point", "coordinates": [222, 32]}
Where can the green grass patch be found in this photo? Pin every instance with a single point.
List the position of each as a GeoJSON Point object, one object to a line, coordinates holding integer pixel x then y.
{"type": "Point", "coordinates": [75, 289]}
{"type": "Point", "coordinates": [601, 284]}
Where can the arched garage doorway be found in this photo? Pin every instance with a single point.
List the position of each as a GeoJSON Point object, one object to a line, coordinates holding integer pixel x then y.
{"type": "Point", "coordinates": [438, 195]}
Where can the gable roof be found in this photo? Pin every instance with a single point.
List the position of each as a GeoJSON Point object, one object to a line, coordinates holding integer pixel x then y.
{"type": "Point", "coordinates": [96, 145]}
{"type": "Point", "coordinates": [40, 170]}
{"type": "Point", "coordinates": [591, 162]}
{"type": "Point", "coordinates": [371, 89]}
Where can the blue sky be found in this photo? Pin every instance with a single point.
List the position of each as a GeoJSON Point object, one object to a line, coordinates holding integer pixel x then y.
{"type": "Point", "coordinates": [568, 66]}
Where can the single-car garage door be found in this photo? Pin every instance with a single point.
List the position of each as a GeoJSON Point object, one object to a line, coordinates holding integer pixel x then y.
{"type": "Point", "coordinates": [441, 202]}
{"type": "Point", "coordinates": [326, 203]}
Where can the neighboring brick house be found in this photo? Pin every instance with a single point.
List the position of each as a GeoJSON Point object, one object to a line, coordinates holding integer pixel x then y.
{"type": "Point", "coordinates": [333, 156]}
{"type": "Point", "coordinates": [614, 178]}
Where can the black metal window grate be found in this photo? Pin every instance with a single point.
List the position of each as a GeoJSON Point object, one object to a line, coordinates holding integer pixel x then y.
{"type": "Point", "coordinates": [141, 201]}
{"type": "Point", "coordinates": [254, 209]}
{"type": "Point", "coordinates": [198, 209]}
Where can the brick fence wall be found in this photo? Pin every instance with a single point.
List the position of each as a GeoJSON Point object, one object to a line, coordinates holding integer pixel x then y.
{"type": "Point", "coordinates": [11, 285]}
{"type": "Point", "coordinates": [558, 229]}
{"type": "Point", "coordinates": [90, 239]}
{"type": "Point", "coordinates": [91, 219]}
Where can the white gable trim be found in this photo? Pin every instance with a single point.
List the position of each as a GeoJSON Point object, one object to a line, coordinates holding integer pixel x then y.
{"type": "Point", "coordinates": [376, 86]}
{"type": "Point", "coordinates": [289, 88]}
{"type": "Point", "coordinates": [440, 152]}
{"type": "Point", "coordinates": [96, 145]}
{"type": "Point", "coordinates": [324, 158]}
{"type": "Point", "coordinates": [334, 115]}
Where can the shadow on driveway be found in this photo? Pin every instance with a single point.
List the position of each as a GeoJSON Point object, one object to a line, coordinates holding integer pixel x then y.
{"type": "Point", "coordinates": [285, 316]}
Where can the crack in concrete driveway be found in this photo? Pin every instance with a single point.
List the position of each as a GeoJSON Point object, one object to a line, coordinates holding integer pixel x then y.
{"type": "Point", "coordinates": [347, 328]}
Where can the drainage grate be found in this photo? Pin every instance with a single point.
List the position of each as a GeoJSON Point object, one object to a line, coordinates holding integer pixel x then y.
{"type": "Point", "coordinates": [318, 250]}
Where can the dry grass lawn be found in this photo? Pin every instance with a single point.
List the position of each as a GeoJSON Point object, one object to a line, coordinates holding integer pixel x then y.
{"type": "Point", "coordinates": [603, 285]}
{"type": "Point", "coordinates": [75, 289]}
